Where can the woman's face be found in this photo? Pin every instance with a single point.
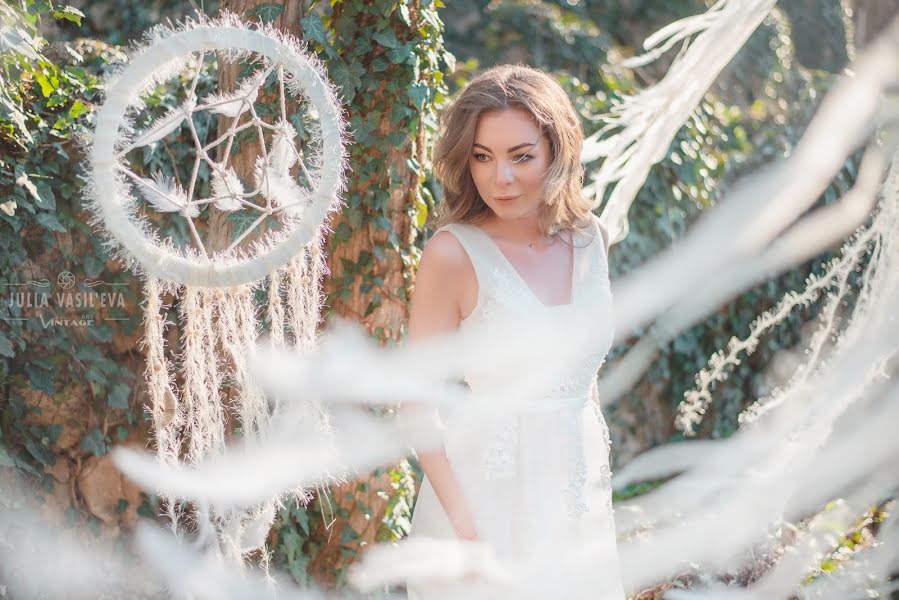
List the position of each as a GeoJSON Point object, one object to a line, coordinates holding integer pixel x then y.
{"type": "Point", "coordinates": [508, 163]}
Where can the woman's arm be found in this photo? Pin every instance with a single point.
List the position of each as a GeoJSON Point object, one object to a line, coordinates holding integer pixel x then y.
{"type": "Point", "coordinates": [435, 310]}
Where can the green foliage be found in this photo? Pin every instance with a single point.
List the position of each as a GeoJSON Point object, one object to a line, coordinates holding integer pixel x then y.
{"type": "Point", "coordinates": [293, 549]}
{"type": "Point", "coordinates": [720, 143]}
{"type": "Point", "coordinates": [266, 12]}
{"type": "Point", "coordinates": [43, 109]}
{"type": "Point", "coordinates": [385, 70]}
{"type": "Point", "coordinates": [56, 335]}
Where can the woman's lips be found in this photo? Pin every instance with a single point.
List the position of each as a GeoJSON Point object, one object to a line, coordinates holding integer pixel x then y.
{"type": "Point", "coordinates": [506, 198]}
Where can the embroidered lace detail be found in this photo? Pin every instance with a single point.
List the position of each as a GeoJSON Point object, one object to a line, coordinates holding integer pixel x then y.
{"type": "Point", "coordinates": [605, 484]}
{"type": "Point", "coordinates": [499, 459]}
{"type": "Point", "coordinates": [605, 472]}
{"type": "Point", "coordinates": [501, 291]}
{"type": "Point", "coordinates": [577, 477]}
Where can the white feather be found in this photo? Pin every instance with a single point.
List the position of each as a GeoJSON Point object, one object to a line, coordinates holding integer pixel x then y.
{"type": "Point", "coordinates": [167, 196]}
{"type": "Point", "coordinates": [227, 190]}
{"type": "Point", "coordinates": [281, 189]}
{"type": "Point", "coordinates": [283, 154]}
{"type": "Point", "coordinates": [164, 125]}
{"type": "Point", "coordinates": [237, 102]}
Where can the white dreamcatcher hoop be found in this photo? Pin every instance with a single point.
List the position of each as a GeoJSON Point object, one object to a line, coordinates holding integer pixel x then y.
{"type": "Point", "coordinates": [168, 53]}
{"type": "Point", "coordinates": [217, 291]}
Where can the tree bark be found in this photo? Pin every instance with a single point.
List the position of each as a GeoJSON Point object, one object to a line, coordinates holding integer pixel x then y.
{"type": "Point", "coordinates": [378, 299]}
{"type": "Point", "coordinates": [370, 270]}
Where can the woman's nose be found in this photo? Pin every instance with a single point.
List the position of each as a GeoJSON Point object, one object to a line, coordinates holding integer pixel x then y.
{"type": "Point", "coordinates": [504, 173]}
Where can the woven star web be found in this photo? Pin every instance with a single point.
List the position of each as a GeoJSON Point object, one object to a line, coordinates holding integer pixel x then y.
{"type": "Point", "coordinates": [218, 125]}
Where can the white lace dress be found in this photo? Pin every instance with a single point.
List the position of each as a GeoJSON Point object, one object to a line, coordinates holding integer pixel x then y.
{"type": "Point", "coordinates": [543, 476]}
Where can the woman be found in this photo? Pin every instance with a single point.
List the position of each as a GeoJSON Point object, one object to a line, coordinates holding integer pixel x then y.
{"type": "Point", "coordinates": [515, 239]}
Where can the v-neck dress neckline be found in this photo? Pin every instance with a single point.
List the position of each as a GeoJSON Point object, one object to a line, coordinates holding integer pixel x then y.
{"type": "Point", "coordinates": [572, 295]}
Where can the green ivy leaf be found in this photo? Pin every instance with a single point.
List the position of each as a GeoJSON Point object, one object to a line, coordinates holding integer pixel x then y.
{"type": "Point", "coordinates": [298, 569]}
{"type": "Point", "coordinates": [40, 377]}
{"type": "Point", "coordinates": [77, 109]}
{"type": "Point", "coordinates": [401, 54]}
{"type": "Point", "coordinates": [348, 77]}
{"type": "Point", "coordinates": [266, 12]}
{"type": "Point", "coordinates": [379, 64]}
{"type": "Point", "coordinates": [302, 517]}
{"type": "Point", "coordinates": [348, 534]}
{"type": "Point", "coordinates": [354, 218]}
{"type": "Point", "coordinates": [5, 459]}
{"type": "Point", "coordinates": [118, 396]}
{"type": "Point", "coordinates": [342, 232]}
{"type": "Point", "coordinates": [94, 443]}
{"type": "Point", "coordinates": [6, 348]}
{"type": "Point", "coordinates": [418, 94]}
{"type": "Point", "coordinates": [101, 333]}
{"type": "Point", "coordinates": [242, 220]}
{"type": "Point", "coordinates": [40, 452]}
{"type": "Point", "coordinates": [49, 221]}
{"type": "Point", "coordinates": [292, 543]}
{"type": "Point", "coordinates": [93, 266]}
{"type": "Point", "coordinates": [314, 29]}
{"type": "Point", "coordinates": [46, 83]}
{"type": "Point", "coordinates": [48, 198]}
{"type": "Point", "coordinates": [387, 38]}
{"type": "Point", "coordinates": [69, 13]}
{"type": "Point", "coordinates": [95, 375]}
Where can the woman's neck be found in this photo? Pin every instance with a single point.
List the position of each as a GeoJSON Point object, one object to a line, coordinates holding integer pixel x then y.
{"type": "Point", "coordinates": [525, 230]}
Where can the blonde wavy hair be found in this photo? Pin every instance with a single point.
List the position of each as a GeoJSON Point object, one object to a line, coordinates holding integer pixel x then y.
{"type": "Point", "coordinates": [497, 89]}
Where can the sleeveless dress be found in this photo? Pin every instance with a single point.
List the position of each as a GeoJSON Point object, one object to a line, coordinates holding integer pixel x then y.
{"type": "Point", "coordinates": [540, 478]}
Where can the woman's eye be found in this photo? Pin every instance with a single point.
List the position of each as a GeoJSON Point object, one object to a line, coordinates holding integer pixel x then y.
{"type": "Point", "coordinates": [523, 158]}
{"type": "Point", "coordinates": [480, 157]}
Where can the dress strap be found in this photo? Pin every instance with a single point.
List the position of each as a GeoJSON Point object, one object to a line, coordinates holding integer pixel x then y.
{"type": "Point", "coordinates": [598, 261]}
{"type": "Point", "coordinates": [473, 243]}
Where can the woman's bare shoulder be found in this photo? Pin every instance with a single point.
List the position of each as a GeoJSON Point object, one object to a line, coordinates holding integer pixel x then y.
{"type": "Point", "coordinates": [440, 285]}
{"type": "Point", "coordinates": [444, 251]}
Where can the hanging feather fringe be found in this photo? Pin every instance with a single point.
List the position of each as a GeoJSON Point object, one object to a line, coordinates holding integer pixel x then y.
{"type": "Point", "coordinates": [647, 122]}
{"type": "Point", "coordinates": [166, 411]}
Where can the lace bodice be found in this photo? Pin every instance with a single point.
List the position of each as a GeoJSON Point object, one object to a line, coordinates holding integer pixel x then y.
{"type": "Point", "coordinates": [503, 292]}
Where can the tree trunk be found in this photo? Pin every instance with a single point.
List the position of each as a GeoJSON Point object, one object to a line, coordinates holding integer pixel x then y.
{"type": "Point", "coordinates": [371, 252]}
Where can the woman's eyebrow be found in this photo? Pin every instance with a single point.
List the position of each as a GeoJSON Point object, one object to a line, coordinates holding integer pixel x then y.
{"type": "Point", "coordinates": [512, 149]}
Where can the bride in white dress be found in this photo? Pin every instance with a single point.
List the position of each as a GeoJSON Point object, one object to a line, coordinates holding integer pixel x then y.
{"type": "Point", "coordinates": [516, 240]}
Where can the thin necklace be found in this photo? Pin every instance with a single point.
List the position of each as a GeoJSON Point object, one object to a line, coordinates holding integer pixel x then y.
{"type": "Point", "coordinates": [553, 237]}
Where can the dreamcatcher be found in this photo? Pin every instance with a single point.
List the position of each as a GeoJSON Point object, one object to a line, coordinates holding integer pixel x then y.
{"type": "Point", "coordinates": [281, 203]}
